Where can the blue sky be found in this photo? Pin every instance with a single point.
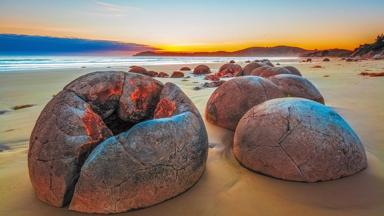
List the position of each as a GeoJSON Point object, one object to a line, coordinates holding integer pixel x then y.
{"type": "Point", "coordinates": [200, 25]}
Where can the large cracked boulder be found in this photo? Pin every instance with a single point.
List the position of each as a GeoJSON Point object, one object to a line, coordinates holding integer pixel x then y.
{"type": "Point", "coordinates": [114, 141]}
{"type": "Point", "coordinates": [297, 86]}
{"type": "Point", "coordinates": [229, 102]}
{"type": "Point", "coordinates": [299, 140]}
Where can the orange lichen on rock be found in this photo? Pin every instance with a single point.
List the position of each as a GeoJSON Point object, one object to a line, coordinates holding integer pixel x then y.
{"type": "Point", "coordinates": [165, 108]}
{"type": "Point", "coordinates": [141, 94]}
{"type": "Point", "coordinates": [115, 90]}
{"type": "Point", "coordinates": [93, 124]}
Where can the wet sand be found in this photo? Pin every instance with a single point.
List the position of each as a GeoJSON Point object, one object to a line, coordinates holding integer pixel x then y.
{"type": "Point", "coordinates": [226, 188]}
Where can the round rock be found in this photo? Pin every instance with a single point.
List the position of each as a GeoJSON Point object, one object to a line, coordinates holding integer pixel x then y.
{"type": "Point", "coordinates": [297, 86]}
{"type": "Point", "coordinates": [299, 140]}
{"type": "Point", "coordinates": [201, 69]}
{"type": "Point", "coordinates": [268, 71]}
{"type": "Point", "coordinates": [249, 67]}
{"type": "Point", "coordinates": [293, 70]}
{"type": "Point", "coordinates": [114, 141]}
{"type": "Point", "coordinates": [229, 102]}
{"type": "Point", "coordinates": [230, 68]}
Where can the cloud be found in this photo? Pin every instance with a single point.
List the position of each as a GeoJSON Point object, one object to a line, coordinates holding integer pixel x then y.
{"type": "Point", "coordinates": [114, 9]}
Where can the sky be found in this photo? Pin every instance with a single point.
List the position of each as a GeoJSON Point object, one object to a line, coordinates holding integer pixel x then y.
{"type": "Point", "coordinates": [201, 25]}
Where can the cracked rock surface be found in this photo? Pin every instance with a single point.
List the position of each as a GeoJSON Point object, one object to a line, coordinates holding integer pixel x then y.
{"type": "Point", "coordinates": [298, 139]}
{"type": "Point", "coordinates": [114, 141]}
{"type": "Point", "coordinates": [229, 102]}
{"type": "Point", "coordinates": [297, 86]}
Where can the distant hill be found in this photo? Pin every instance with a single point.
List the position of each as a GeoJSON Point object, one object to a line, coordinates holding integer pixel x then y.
{"type": "Point", "coordinates": [252, 51]}
{"type": "Point", "coordinates": [13, 44]}
{"type": "Point", "coordinates": [373, 50]}
{"type": "Point", "coordinates": [328, 53]}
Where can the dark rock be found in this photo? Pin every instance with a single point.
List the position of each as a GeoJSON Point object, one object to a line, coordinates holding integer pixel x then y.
{"type": "Point", "coordinates": [137, 69]}
{"type": "Point", "coordinates": [23, 106]}
{"type": "Point", "coordinates": [143, 71]}
{"type": "Point", "coordinates": [299, 140]}
{"type": "Point", "coordinates": [232, 61]}
{"type": "Point", "coordinates": [372, 74]}
{"type": "Point", "coordinates": [297, 86]}
{"type": "Point", "coordinates": [152, 73]}
{"type": "Point", "coordinates": [4, 147]}
{"type": "Point", "coordinates": [230, 101]}
{"type": "Point", "coordinates": [201, 69]}
{"type": "Point", "coordinates": [3, 112]}
{"type": "Point", "coordinates": [185, 69]}
{"type": "Point", "coordinates": [177, 74]}
{"type": "Point", "coordinates": [317, 66]}
{"type": "Point", "coordinates": [213, 84]}
{"type": "Point", "coordinates": [162, 74]}
{"type": "Point", "coordinates": [326, 60]}
{"type": "Point", "coordinates": [212, 77]}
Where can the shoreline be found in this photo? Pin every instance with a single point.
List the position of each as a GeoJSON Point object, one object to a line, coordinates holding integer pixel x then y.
{"type": "Point", "coordinates": [226, 188]}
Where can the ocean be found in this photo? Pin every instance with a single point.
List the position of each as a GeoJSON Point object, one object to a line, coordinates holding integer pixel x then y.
{"type": "Point", "coordinates": [32, 63]}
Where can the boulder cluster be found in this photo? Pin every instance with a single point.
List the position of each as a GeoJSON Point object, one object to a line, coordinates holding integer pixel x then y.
{"type": "Point", "coordinates": [282, 127]}
{"type": "Point", "coordinates": [114, 141]}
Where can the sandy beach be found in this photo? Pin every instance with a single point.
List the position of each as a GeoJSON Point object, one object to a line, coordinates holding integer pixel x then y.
{"type": "Point", "coordinates": [226, 188]}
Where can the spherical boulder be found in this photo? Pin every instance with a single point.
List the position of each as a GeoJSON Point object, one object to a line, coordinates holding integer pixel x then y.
{"type": "Point", "coordinates": [177, 74]}
{"type": "Point", "coordinates": [137, 69]}
{"type": "Point", "coordinates": [163, 75]}
{"type": "Point", "coordinates": [299, 140]}
{"type": "Point", "coordinates": [297, 86]}
{"type": "Point", "coordinates": [293, 70]}
{"type": "Point", "coordinates": [201, 69]}
{"type": "Point", "coordinates": [268, 71]}
{"type": "Point", "coordinates": [249, 67]}
{"type": "Point", "coordinates": [185, 69]}
{"type": "Point", "coordinates": [114, 141]}
{"type": "Point", "coordinates": [231, 69]}
{"type": "Point", "coordinates": [267, 62]}
{"type": "Point", "coordinates": [231, 100]}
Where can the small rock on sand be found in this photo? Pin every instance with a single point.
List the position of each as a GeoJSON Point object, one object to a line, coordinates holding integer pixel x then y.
{"type": "Point", "coordinates": [209, 85]}
{"type": "Point", "coordinates": [17, 107]}
{"type": "Point", "coordinates": [3, 147]}
{"type": "Point", "coordinates": [185, 69]}
{"type": "Point", "coordinates": [177, 74]}
{"type": "Point", "coordinates": [372, 74]}
{"type": "Point", "coordinates": [3, 112]}
{"type": "Point", "coordinates": [162, 74]}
